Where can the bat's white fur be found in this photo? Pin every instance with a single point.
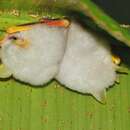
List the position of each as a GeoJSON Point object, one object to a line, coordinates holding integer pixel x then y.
{"type": "Point", "coordinates": [84, 64]}
{"type": "Point", "coordinates": [38, 63]}
{"type": "Point", "coordinates": [87, 65]}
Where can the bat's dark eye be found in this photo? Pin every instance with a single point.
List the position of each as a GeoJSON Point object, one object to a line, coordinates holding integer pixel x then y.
{"type": "Point", "coordinates": [13, 38]}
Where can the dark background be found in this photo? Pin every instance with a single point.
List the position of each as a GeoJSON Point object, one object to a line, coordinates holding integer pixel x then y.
{"type": "Point", "coordinates": [118, 9]}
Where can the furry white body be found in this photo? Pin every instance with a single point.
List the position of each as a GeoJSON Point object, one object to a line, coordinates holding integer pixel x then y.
{"type": "Point", "coordinates": [74, 56]}
{"type": "Point", "coordinates": [38, 63]}
{"type": "Point", "coordinates": [87, 65]}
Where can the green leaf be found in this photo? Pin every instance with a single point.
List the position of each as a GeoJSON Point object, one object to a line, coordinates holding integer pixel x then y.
{"type": "Point", "coordinates": [104, 21]}
{"type": "Point", "coordinates": [54, 107]}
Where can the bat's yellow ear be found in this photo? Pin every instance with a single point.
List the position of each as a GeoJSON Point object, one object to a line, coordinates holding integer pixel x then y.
{"type": "Point", "coordinates": [116, 60]}
{"type": "Point", "coordinates": [15, 29]}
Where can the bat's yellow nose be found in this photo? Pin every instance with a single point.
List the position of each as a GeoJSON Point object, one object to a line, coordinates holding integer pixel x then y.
{"type": "Point", "coordinates": [15, 29]}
